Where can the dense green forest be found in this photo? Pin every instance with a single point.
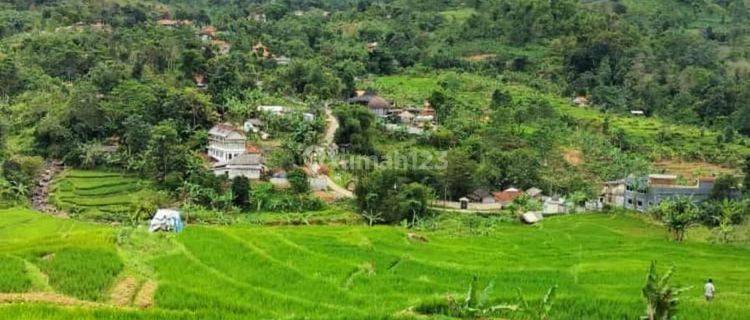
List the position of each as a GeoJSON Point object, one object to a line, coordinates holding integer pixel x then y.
{"type": "Point", "coordinates": [151, 77]}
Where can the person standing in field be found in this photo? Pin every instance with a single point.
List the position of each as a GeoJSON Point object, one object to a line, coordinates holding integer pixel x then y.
{"type": "Point", "coordinates": [709, 290]}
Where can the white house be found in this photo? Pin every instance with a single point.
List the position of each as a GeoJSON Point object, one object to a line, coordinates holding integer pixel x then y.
{"type": "Point", "coordinates": [282, 60]}
{"type": "Point", "coordinates": [225, 142]}
{"type": "Point", "coordinates": [377, 105]}
{"type": "Point", "coordinates": [253, 125]}
{"type": "Point", "coordinates": [309, 117]}
{"type": "Point", "coordinates": [554, 205]}
{"type": "Point", "coordinates": [275, 110]}
{"type": "Point", "coordinates": [424, 119]}
{"type": "Point", "coordinates": [249, 165]}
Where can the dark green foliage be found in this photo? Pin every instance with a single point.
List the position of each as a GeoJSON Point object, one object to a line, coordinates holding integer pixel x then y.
{"type": "Point", "coordinates": [725, 187]}
{"type": "Point", "coordinates": [241, 192]}
{"type": "Point", "coordinates": [458, 176]}
{"type": "Point", "coordinates": [678, 215]}
{"type": "Point", "coordinates": [356, 128]}
{"type": "Point", "coordinates": [393, 197]}
{"type": "Point", "coordinates": [500, 98]}
{"type": "Point", "coordinates": [164, 153]}
{"type": "Point", "coordinates": [298, 181]}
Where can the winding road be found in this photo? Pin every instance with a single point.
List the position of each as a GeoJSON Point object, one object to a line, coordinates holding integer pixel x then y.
{"type": "Point", "coordinates": [332, 124]}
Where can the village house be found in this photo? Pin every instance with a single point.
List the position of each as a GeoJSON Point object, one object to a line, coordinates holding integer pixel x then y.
{"type": "Point", "coordinates": [261, 51]}
{"type": "Point", "coordinates": [406, 117]}
{"type": "Point", "coordinates": [581, 101]}
{"type": "Point", "coordinates": [637, 113]}
{"type": "Point", "coordinates": [223, 46]}
{"type": "Point", "coordinates": [507, 196]}
{"type": "Point", "coordinates": [253, 125]}
{"type": "Point", "coordinates": [554, 205]}
{"type": "Point", "coordinates": [643, 193]}
{"type": "Point", "coordinates": [207, 33]}
{"type": "Point", "coordinates": [225, 142]}
{"type": "Point", "coordinates": [282, 60]}
{"type": "Point", "coordinates": [613, 193]}
{"type": "Point", "coordinates": [249, 165]}
{"type": "Point", "coordinates": [481, 196]}
{"type": "Point", "coordinates": [279, 180]}
{"type": "Point", "coordinates": [534, 193]}
{"type": "Point", "coordinates": [258, 17]}
{"type": "Point", "coordinates": [173, 23]}
{"type": "Point", "coordinates": [423, 120]}
{"type": "Point", "coordinates": [200, 81]}
{"type": "Point", "coordinates": [274, 110]}
{"type": "Point", "coordinates": [377, 105]}
{"type": "Point", "coordinates": [309, 117]}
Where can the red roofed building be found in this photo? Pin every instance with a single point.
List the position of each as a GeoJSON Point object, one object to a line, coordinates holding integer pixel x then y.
{"type": "Point", "coordinates": [507, 196]}
{"type": "Point", "coordinates": [252, 149]}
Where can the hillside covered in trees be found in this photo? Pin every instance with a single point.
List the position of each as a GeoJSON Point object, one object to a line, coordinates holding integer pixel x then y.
{"type": "Point", "coordinates": [282, 131]}
{"type": "Point", "coordinates": [560, 95]}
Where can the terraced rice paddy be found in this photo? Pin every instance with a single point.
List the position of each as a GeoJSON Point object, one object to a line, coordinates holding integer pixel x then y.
{"type": "Point", "coordinates": [325, 272]}
{"type": "Point", "coordinates": [97, 194]}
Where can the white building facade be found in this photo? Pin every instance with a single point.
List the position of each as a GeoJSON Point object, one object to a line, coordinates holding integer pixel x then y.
{"type": "Point", "coordinates": [225, 143]}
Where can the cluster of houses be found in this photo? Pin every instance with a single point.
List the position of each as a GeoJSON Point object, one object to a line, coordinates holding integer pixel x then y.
{"type": "Point", "coordinates": [550, 205]}
{"type": "Point", "coordinates": [411, 120]}
{"type": "Point", "coordinates": [231, 155]}
{"type": "Point", "coordinates": [642, 193]}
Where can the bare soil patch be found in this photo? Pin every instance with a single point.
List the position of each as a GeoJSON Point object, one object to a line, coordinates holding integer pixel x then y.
{"type": "Point", "coordinates": [573, 156]}
{"type": "Point", "coordinates": [691, 170]}
{"type": "Point", "coordinates": [480, 57]}
{"type": "Point", "coordinates": [145, 297]}
{"type": "Point", "coordinates": [44, 297]}
{"type": "Point", "coordinates": [124, 291]}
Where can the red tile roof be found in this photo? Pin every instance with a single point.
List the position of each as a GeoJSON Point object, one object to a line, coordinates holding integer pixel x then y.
{"type": "Point", "coordinates": [252, 149]}
{"type": "Point", "coordinates": [507, 195]}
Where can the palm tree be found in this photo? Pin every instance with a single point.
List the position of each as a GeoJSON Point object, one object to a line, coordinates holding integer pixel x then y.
{"type": "Point", "coordinates": [661, 296]}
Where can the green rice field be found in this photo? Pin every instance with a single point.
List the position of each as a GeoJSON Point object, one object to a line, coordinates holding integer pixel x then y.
{"type": "Point", "coordinates": [242, 271]}
{"type": "Point", "coordinates": [98, 195]}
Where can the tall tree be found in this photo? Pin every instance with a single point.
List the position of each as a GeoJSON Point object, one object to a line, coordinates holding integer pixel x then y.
{"type": "Point", "coordinates": [164, 152]}
{"type": "Point", "coordinates": [241, 192]}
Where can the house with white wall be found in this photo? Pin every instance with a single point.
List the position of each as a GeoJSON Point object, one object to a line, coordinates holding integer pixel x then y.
{"type": "Point", "coordinates": [225, 142]}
